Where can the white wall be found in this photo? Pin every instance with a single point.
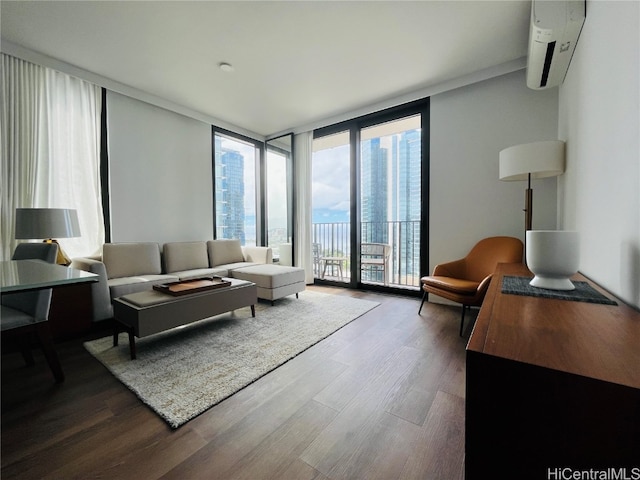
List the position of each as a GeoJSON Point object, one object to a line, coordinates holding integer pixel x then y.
{"type": "Point", "coordinates": [160, 173]}
{"type": "Point", "coordinates": [600, 120]}
{"type": "Point", "coordinates": [469, 127]}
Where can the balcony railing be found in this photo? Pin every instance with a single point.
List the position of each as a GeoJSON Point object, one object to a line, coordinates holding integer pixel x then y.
{"type": "Point", "coordinates": [332, 252]}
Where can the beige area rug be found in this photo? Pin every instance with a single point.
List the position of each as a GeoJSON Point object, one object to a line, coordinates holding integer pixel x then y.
{"type": "Point", "coordinates": [183, 372]}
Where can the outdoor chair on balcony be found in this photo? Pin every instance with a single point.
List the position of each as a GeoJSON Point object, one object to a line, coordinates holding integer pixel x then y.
{"type": "Point", "coordinates": [374, 257]}
{"type": "Point", "coordinates": [466, 280]}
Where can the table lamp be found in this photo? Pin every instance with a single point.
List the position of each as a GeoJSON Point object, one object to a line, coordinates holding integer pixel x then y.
{"type": "Point", "coordinates": [532, 160]}
{"type": "Point", "coordinates": [47, 224]}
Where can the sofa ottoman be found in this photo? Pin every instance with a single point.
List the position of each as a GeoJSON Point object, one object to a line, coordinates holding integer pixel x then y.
{"type": "Point", "coordinates": [273, 281]}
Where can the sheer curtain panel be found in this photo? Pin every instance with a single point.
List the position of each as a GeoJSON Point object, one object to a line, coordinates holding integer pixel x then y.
{"type": "Point", "coordinates": [303, 235]}
{"type": "Point", "coordinates": [50, 150]}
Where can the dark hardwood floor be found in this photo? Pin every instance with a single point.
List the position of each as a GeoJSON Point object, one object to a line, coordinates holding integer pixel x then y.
{"type": "Point", "coordinates": [382, 398]}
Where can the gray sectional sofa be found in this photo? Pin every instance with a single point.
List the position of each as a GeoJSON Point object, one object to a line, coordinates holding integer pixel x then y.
{"type": "Point", "coordinates": [132, 267]}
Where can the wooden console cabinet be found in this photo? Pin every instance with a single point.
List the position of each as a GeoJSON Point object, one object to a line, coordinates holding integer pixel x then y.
{"type": "Point", "coordinates": [551, 384]}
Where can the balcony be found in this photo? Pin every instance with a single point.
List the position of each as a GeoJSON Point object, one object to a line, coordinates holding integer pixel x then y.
{"type": "Point", "coordinates": [332, 253]}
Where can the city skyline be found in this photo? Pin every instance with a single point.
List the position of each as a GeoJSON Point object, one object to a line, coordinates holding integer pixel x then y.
{"type": "Point", "coordinates": [401, 156]}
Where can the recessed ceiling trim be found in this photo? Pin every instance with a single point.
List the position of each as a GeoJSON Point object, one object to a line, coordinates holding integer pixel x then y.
{"type": "Point", "coordinates": [44, 60]}
{"type": "Point", "coordinates": [40, 59]}
{"type": "Point", "coordinates": [486, 74]}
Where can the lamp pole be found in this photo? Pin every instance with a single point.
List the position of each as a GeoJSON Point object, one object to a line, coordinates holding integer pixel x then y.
{"type": "Point", "coordinates": [528, 205]}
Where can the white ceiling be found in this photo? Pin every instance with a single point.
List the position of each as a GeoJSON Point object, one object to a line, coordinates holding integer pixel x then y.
{"type": "Point", "coordinates": [296, 63]}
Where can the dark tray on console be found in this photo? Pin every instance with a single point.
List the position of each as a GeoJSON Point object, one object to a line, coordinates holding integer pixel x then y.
{"type": "Point", "coordinates": [194, 285]}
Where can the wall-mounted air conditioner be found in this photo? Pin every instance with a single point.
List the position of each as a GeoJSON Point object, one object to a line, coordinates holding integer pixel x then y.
{"type": "Point", "coordinates": [553, 34]}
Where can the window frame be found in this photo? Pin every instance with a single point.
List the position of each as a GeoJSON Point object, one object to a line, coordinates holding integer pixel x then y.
{"type": "Point", "coordinates": [289, 166]}
{"type": "Point", "coordinates": [354, 127]}
{"type": "Point", "coordinates": [259, 176]}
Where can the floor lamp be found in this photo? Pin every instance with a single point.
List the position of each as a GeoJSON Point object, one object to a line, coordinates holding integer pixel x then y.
{"type": "Point", "coordinates": [531, 160]}
{"type": "Point", "coordinates": [48, 223]}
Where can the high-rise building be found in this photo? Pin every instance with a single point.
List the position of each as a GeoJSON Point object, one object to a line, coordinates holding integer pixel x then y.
{"type": "Point", "coordinates": [391, 198]}
{"type": "Point", "coordinates": [409, 200]}
{"type": "Point", "coordinates": [374, 213]}
{"type": "Point", "coordinates": [229, 177]}
{"type": "Point", "coordinates": [409, 177]}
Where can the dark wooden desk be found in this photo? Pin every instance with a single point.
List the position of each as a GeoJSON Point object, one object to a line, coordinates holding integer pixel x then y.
{"type": "Point", "coordinates": [18, 276]}
{"type": "Point", "coordinates": [70, 313]}
{"type": "Point", "coordinates": [70, 310]}
{"type": "Point", "coordinates": [551, 384]}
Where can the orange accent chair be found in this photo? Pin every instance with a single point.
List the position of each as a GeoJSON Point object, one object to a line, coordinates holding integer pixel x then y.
{"type": "Point", "coordinates": [466, 280]}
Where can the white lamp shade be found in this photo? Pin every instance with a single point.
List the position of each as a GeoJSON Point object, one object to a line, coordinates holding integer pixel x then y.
{"type": "Point", "coordinates": [45, 223]}
{"type": "Point", "coordinates": [540, 159]}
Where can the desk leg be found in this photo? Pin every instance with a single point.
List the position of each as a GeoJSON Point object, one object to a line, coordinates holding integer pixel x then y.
{"type": "Point", "coordinates": [253, 311]}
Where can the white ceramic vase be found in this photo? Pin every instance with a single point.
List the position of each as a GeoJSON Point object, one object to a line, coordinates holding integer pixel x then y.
{"type": "Point", "coordinates": [552, 256]}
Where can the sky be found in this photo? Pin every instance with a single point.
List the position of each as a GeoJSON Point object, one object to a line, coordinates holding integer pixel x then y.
{"type": "Point", "coordinates": [330, 185]}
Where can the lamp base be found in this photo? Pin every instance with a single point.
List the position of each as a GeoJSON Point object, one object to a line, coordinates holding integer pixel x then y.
{"type": "Point", "coordinates": [62, 258]}
{"type": "Point", "coordinates": [552, 283]}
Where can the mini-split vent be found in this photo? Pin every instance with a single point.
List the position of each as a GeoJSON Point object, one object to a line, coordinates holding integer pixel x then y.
{"type": "Point", "coordinates": [547, 64]}
{"type": "Point", "coordinates": [553, 35]}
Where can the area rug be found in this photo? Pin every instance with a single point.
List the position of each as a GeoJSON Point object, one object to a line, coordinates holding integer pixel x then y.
{"type": "Point", "coordinates": [183, 372]}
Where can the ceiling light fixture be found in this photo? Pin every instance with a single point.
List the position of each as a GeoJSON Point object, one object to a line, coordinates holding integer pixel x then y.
{"type": "Point", "coordinates": [226, 67]}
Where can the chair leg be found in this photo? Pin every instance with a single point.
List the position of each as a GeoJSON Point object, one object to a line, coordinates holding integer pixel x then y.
{"type": "Point", "coordinates": [46, 341]}
{"type": "Point", "coordinates": [25, 349]}
{"type": "Point", "coordinates": [464, 308]}
{"type": "Point", "coordinates": [424, 297]}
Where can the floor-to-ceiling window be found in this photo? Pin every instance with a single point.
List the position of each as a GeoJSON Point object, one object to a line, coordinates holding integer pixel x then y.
{"type": "Point", "coordinates": [331, 206]}
{"type": "Point", "coordinates": [277, 212]}
{"type": "Point", "coordinates": [237, 189]}
{"type": "Point", "coordinates": [253, 190]}
{"type": "Point", "coordinates": [391, 201]}
{"type": "Point", "coordinates": [279, 196]}
{"type": "Point", "coordinates": [370, 199]}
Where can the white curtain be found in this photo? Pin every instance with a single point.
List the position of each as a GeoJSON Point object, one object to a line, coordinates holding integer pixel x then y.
{"type": "Point", "coordinates": [50, 139]}
{"type": "Point", "coordinates": [303, 228]}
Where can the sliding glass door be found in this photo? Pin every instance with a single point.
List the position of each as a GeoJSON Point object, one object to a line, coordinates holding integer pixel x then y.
{"type": "Point", "coordinates": [390, 202]}
{"type": "Point", "coordinates": [331, 207]}
{"type": "Point", "coordinates": [370, 200]}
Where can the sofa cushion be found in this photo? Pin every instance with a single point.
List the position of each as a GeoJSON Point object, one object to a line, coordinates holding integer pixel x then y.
{"type": "Point", "coordinates": [126, 285]}
{"type": "Point", "coordinates": [201, 272]}
{"type": "Point", "coordinates": [234, 266]}
{"type": "Point", "coordinates": [131, 259]}
{"type": "Point", "coordinates": [257, 254]}
{"type": "Point", "coordinates": [270, 276]}
{"type": "Point", "coordinates": [224, 251]}
{"type": "Point", "coordinates": [181, 256]}
{"type": "Point", "coordinates": [454, 285]}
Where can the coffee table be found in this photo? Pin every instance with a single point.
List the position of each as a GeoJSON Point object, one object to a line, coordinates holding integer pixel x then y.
{"type": "Point", "coordinates": [146, 313]}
